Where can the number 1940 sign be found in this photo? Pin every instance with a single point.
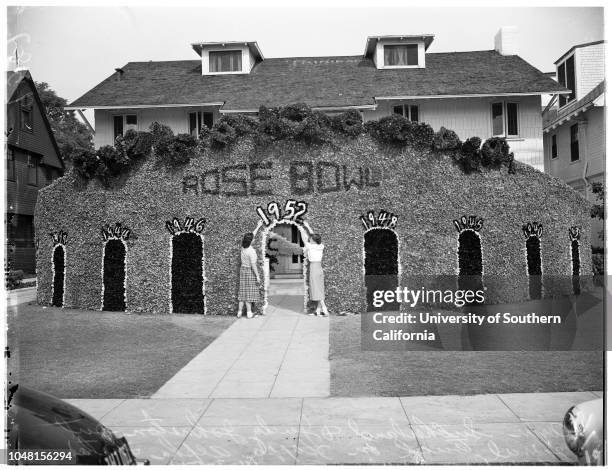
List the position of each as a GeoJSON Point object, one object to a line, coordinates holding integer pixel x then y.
{"type": "Point", "coordinates": [292, 211]}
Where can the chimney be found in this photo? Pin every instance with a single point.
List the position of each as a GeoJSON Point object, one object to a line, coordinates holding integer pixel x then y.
{"type": "Point", "coordinates": [119, 74]}
{"type": "Point", "coordinates": [506, 40]}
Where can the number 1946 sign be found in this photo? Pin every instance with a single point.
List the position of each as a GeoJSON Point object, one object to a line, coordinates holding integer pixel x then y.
{"type": "Point", "coordinates": [292, 211]}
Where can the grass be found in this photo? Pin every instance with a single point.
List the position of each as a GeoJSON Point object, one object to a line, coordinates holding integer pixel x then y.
{"type": "Point", "coordinates": [88, 354]}
{"type": "Point", "coordinates": [405, 373]}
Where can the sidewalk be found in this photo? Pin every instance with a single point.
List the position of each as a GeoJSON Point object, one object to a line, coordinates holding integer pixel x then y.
{"type": "Point", "coordinates": [259, 394]}
{"type": "Point", "coordinates": [505, 428]}
{"type": "Point", "coordinates": [20, 296]}
{"type": "Point", "coordinates": [281, 354]}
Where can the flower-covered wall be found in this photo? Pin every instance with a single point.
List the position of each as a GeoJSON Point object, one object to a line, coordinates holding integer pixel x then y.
{"type": "Point", "coordinates": [340, 191]}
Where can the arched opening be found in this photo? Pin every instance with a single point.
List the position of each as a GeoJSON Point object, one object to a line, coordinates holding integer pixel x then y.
{"type": "Point", "coordinates": [285, 278]}
{"type": "Point", "coordinates": [534, 266]}
{"type": "Point", "coordinates": [576, 266]}
{"type": "Point", "coordinates": [381, 265]}
{"type": "Point", "coordinates": [469, 255]}
{"type": "Point", "coordinates": [59, 275]}
{"type": "Point", "coordinates": [113, 279]}
{"type": "Point", "coordinates": [187, 273]}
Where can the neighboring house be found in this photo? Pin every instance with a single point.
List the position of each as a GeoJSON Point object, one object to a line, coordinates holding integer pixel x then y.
{"type": "Point", "coordinates": [574, 125]}
{"type": "Point", "coordinates": [32, 162]}
{"type": "Point", "coordinates": [481, 93]}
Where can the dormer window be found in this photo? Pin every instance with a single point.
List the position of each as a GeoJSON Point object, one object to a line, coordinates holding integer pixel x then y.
{"type": "Point", "coordinates": [225, 61]}
{"type": "Point", "coordinates": [401, 55]}
{"type": "Point", "coordinates": [398, 52]}
{"type": "Point", "coordinates": [566, 75]}
{"type": "Point", "coordinates": [234, 57]}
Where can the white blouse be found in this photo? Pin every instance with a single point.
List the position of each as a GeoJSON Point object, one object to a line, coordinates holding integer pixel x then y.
{"type": "Point", "coordinates": [248, 257]}
{"type": "Point", "coordinates": [314, 252]}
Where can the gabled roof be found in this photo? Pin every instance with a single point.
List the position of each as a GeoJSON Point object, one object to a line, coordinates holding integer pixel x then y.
{"type": "Point", "coordinates": [317, 81]}
{"type": "Point", "coordinates": [578, 46]}
{"type": "Point", "coordinates": [13, 80]}
{"type": "Point", "coordinates": [555, 117]}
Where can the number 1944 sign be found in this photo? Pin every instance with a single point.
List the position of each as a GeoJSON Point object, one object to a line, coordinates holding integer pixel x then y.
{"type": "Point", "coordinates": [292, 211]}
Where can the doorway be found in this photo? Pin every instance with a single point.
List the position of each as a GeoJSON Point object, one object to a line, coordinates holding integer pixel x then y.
{"type": "Point", "coordinates": [187, 274]}
{"type": "Point", "coordinates": [113, 281]}
{"type": "Point", "coordinates": [381, 265]}
{"type": "Point", "coordinates": [59, 275]}
{"type": "Point", "coordinates": [285, 280]}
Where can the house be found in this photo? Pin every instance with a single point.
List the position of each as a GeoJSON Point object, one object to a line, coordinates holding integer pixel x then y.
{"type": "Point", "coordinates": [574, 124]}
{"type": "Point", "coordinates": [33, 161]}
{"type": "Point", "coordinates": [480, 93]}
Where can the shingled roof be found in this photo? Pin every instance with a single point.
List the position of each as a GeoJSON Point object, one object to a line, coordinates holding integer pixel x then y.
{"type": "Point", "coordinates": [317, 81]}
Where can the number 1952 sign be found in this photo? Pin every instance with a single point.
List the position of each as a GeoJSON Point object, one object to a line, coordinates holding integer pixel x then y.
{"type": "Point", "coordinates": [292, 211]}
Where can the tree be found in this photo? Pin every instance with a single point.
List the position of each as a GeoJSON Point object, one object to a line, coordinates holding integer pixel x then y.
{"type": "Point", "coordinates": [72, 136]}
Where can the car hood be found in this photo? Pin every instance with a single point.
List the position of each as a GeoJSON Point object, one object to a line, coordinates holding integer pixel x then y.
{"type": "Point", "coordinates": [40, 421]}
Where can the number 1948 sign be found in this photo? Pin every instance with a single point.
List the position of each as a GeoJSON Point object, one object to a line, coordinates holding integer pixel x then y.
{"type": "Point", "coordinates": [292, 211]}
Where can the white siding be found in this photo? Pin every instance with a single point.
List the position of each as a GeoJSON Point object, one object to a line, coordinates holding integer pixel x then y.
{"type": "Point", "coordinates": [470, 117]}
{"type": "Point", "coordinates": [572, 172]}
{"type": "Point", "coordinates": [590, 68]}
{"type": "Point", "coordinates": [175, 118]}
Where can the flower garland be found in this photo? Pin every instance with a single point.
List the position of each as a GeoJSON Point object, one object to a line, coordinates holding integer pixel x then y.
{"type": "Point", "coordinates": [58, 265]}
{"type": "Point", "coordinates": [305, 230]}
{"type": "Point", "coordinates": [533, 256]}
{"type": "Point", "coordinates": [187, 290]}
{"type": "Point", "coordinates": [114, 267]}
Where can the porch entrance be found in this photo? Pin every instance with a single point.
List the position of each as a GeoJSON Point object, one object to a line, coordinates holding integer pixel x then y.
{"type": "Point", "coordinates": [287, 266]}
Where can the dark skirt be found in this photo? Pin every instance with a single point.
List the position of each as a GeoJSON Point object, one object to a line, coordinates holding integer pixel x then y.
{"type": "Point", "coordinates": [249, 288]}
{"type": "Point", "coordinates": [317, 282]}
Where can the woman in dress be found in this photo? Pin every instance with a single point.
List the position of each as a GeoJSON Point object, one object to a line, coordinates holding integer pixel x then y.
{"type": "Point", "coordinates": [248, 291]}
{"type": "Point", "coordinates": [313, 250]}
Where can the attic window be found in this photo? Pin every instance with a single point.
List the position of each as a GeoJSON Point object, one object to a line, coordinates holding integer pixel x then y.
{"type": "Point", "coordinates": [567, 77]}
{"type": "Point", "coordinates": [403, 55]}
{"type": "Point", "coordinates": [26, 113]}
{"type": "Point", "coordinates": [225, 61]}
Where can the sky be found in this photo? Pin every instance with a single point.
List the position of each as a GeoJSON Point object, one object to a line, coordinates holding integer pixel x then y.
{"type": "Point", "coordinates": [75, 48]}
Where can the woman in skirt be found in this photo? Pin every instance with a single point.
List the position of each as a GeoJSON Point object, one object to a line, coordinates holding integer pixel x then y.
{"type": "Point", "coordinates": [313, 250]}
{"type": "Point", "coordinates": [248, 291]}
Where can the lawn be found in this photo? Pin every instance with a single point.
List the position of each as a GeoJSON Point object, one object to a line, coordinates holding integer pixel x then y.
{"type": "Point", "coordinates": [88, 354]}
{"type": "Point", "coordinates": [404, 373]}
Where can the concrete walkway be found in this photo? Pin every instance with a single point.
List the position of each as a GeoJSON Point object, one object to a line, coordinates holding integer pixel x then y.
{"type": "Point", "coordinates": [484, 429]}
{"type": "Point", "coordinates": [20, 296]}
{"type": "Point", "coordinates": [281, 354]}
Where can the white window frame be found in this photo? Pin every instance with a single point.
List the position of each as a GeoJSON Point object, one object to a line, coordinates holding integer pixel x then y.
{"type": "Point", "coordinates": [505, 119]}
{"type": "Point", "coordinates": [564, 63]}
{"type": "Point", "coordinates": [412, 66]}
{"type": "Point", "coordinates": [126, 126]}
{"type": "Point", "coordinates": [246, 58]}
{"type": "Point", "coordinates": [199, 119]}
{"type": "Point", "coordinates": [406, 112]}
{"type": "Point", "coordinates": [380, 54]}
